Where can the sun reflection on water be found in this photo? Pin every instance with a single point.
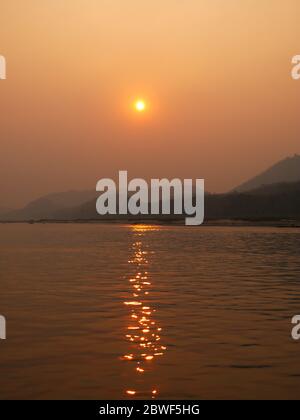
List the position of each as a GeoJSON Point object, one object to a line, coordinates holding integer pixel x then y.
{"type": "Point", "coordinates": [143, 334]}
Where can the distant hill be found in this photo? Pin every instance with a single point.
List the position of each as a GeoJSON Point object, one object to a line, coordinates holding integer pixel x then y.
{"type": "Point", "coordinates": [48, 206]}
{"type": "Point", "coordinates": [261, 198]}
{"type": "Point", "coordinates": [276, 189]}
{"type": "Point", "coordinates": [4, 211]}
{"type": "Point", "coordinates": [287, 170]}
{"type": "Point", "coordinates": [273, 202]}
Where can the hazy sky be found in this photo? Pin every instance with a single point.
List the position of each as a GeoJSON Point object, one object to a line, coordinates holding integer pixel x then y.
{"type": "Point", "coordinates": [215, 74]}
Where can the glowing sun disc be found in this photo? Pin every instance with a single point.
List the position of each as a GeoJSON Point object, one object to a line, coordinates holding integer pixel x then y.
{"type": "Point", "coordinates": [140, 106]}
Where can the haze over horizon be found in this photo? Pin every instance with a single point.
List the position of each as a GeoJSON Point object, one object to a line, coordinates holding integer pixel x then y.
{"type": "Point", "coordinates": [215, 74]}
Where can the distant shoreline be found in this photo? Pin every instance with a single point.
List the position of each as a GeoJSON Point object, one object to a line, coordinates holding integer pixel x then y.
{"type": "Point", "coordinates": [221, 223]}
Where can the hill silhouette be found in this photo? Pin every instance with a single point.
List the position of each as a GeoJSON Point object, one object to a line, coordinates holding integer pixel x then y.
{"type": "Point", "coordinates": [274, 202]}
{"type": "Point", "coordinates": [49, 206]}
{"type": "Point", "coordinates": [287, 170]}
{"type": "Point", "coordinates": [4, 211]}
{"type": "Point", "coordinates": [266, 200]}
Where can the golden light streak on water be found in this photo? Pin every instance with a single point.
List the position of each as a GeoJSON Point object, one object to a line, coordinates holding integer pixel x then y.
{"type": "Point", "coordinates": [130, 392]}
{"type": "Point", "coordinates": [141, 318]}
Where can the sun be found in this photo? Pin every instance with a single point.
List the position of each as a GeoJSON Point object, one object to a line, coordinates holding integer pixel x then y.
{"type": "Point", "coordinates": [140, 105]}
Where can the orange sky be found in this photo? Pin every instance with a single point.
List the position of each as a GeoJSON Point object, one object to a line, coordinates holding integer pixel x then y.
{"type": "Point", "coordinates": [216, 74]}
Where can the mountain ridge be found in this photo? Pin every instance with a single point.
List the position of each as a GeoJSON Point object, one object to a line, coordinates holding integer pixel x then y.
{"type": "Point", "coordinates": [265, 199]}
{"type": "Point", "coordinates": [286, 170]}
